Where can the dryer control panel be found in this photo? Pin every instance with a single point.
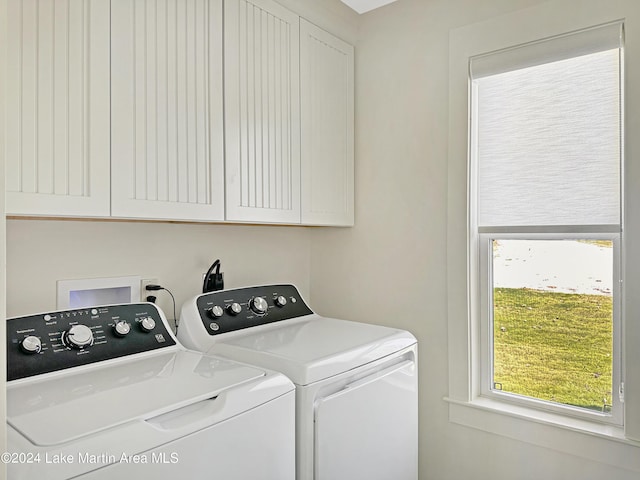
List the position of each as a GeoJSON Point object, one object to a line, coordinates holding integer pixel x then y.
{"type": "Point", "coordinates": [230, 310]}
{"type": "Point", "coordinates": [53, 341]}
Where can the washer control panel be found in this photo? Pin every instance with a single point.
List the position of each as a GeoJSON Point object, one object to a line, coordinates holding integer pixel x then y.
{"type": "Point", "coordinates": [55, 341]}
{"type": "Point", "coordinates": [230, 310]}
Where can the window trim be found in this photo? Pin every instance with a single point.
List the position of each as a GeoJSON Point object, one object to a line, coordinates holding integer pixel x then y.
{"type": "Point", "coordinates": [590, 440]}
{"type": "Point", "coordinates": [484, 317]}
{"type": "Point", "coordinates": [599, 38]}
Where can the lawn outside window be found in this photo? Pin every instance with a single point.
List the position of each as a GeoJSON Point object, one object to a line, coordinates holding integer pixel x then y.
{"type": "Point", "coordinates": [551, 323]}
{"type": "Point", "coordinates": [546, 221]}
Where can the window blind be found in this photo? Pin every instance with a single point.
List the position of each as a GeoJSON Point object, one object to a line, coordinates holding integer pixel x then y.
{"type": "Point", "coordinates": [548, 139]}
{"type": "Point", "coordinates": [592, 40]}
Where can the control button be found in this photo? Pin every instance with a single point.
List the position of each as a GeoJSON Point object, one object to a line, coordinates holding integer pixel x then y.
{"type": "Point", "coordinates": [147, 324]}
{"type": "Point", "coordinates": [94, 311]}
{"type": "Point", "coordinates": [121, 328]}
{"type": "Point", "coordinates": [259, 305]}
{"type": "Point", "coordinates": [280, 301]}
{"type": "Point", "coordinates": [47, 318]}
{"type": "Point", "coordinates": [78, 336]}
{"type": "Point", "coordinates": [215, 312]}
{"type": "Point", "coordinates": [214, 326]}
{"type": "Point", "coordinates": [293, 300]}
{"type": "Point", "coordinates": [31, 345]}
{"type": "Point", "coordinates": [234, 309]}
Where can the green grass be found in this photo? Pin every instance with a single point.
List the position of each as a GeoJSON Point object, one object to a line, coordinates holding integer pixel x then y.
{"type": "Point", "coordinates": [554, 346]}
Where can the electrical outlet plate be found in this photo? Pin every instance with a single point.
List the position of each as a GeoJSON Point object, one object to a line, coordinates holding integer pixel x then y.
{"type": "Point", "coordinates": [143, 290]}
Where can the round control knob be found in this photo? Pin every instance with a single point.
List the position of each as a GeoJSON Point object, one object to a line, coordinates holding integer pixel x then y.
{"type": "Point", "coordinates": [78, 336]}
{"type": "Point", "coordinates": [280, 301]}
{"type": "Point", "coordinates": [121, 328]}
{"type": "Point", "coordinates": [234, 309]}
{"type": "Point", "coordinates": [147, 324]}
{"type": "Point", "coordinates": [215, 312]}
{"type": "Point", "coordinates": [259, 305]}
{"type": "Point", "coordinates": [31, 345]}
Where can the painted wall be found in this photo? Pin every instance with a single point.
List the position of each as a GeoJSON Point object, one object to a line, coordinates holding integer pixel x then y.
{"type": "Point", "coordinates": [41, 252]}
{"type": "Point", "coordinates": [391, 268]}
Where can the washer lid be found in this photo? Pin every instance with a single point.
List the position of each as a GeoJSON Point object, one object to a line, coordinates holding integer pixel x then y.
{"type": "Point", "coordinates": [314, 349]}
{"type": "Point", "coordinates": [61, 408]}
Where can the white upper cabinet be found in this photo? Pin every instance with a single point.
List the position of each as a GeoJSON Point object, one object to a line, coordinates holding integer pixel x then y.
{"type": "Point", "coordinates": [327, 123]}
{"type": "Point", "coordinates": [131, 109]}
{"type": "Point", "coordinates": [166, 109]}
{"type": "Point", "coordinates": [262, 112]}
{"type": "Point", "coordinates": [57, 129]}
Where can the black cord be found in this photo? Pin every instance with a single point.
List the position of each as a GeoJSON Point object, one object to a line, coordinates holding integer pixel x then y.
{"type": "Point", "coordinates": [213, 282]}
{"type": "Point", "coordinates": [159, 287]}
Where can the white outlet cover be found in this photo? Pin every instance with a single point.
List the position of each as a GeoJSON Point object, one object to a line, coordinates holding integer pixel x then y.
{"type": "Point", "coordinates": [362, 6]}
{"type": "Point", "coordinates": [89, 292]}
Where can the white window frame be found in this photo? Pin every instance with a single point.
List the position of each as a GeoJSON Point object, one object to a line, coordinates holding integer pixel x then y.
{"type": "Point", "coordinates": [483, 241]}
{"type": "Point", "coordinates": [480, 247]}
{"type": "Point", "coordinates": [585, 438]}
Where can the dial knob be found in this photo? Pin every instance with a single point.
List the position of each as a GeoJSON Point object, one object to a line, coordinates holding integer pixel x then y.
{"type": "Point", "coordinates": [215, 312]}
{"type": "Point", "coordinates": [259, 305]}
{"type": "Point", "coordinates": [31, 345]}
{"type": "Point", "coordinates": [280, 301]}
{"type": "Point", "coordinates": [78, 336]}
{"type": "Point", "coordinates": [234, 309]}
{"type": "Point", "coordinates": [147, 324]}
{"type": "Point", "coordinates": [121, 328]}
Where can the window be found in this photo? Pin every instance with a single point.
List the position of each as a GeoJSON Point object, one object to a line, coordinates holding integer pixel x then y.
{"type": "Point", "coordinates": [546, 222]}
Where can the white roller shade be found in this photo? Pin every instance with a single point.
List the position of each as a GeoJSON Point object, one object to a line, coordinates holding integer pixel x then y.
{"type": "Point", "coordinates": [548, 142]}
{"type": "Point", "coordinates": [562, 47]}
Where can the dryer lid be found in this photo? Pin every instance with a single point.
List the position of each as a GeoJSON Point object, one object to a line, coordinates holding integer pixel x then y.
{"type": "Point", "coordinates": [314, 349]}
{"type": "Point", "coordinates": [64, 407]}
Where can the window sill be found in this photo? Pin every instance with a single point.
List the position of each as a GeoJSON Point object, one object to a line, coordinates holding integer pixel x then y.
{"type": "Point", "coordinates": [594, 441]}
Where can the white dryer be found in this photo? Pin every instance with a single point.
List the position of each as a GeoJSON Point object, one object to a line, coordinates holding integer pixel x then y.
{"type": "Point", "coordinates": [356, 383]}
{"type": "Point", "coordinates": [108, 392]}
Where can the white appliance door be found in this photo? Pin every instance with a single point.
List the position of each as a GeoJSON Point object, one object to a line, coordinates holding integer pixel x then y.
{"type": "Point", "coordinates": [369, 429]}
{"type": "Point", "coordinates": [256, 445]}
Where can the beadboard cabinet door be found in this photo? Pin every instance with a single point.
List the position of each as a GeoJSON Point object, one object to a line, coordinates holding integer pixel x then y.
{"type": "Point", "coordinates": [166, 107]}
{"type": "Point", "coordinates": [57, 109]}
{"type": "Point", "coordinates": [327, 127]}
{"type": "Point", "coordinates": [262, 112]}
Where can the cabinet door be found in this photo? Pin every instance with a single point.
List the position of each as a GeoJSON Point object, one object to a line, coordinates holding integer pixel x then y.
{"type": "Point", "coordinates": [262, 112]}
{"type": "Point", "coordinates": [167, 134]}
{"type": "Point", "coordinates": [326, 92]}
{"type": "Point", "coordinates": [57, 143]}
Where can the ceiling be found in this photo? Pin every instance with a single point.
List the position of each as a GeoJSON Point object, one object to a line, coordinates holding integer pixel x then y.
{"type": "Point", "coordinates": [362, 6]}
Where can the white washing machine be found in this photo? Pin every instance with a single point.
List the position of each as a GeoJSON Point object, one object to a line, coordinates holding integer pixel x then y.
{"type": "Point", "coordinates": [356, 384]}
{"type": "Point", "coordinates": [108, 392]}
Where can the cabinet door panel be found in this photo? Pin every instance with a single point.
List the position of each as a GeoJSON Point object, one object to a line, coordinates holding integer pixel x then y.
{"type": "Point", "coordinates": [262, 112]}
{"type": "Point", "coordinates": [58, 137]}
{"type": "Point", "coordinates": [326, 84]}
{"type": "Point", "coordinates": [167, 134]}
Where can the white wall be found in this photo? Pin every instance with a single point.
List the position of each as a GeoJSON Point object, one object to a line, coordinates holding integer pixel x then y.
{"type": "Point", "coordinates": [40, 252]}
{"type": "Point", "coordinates": [391, 268]}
